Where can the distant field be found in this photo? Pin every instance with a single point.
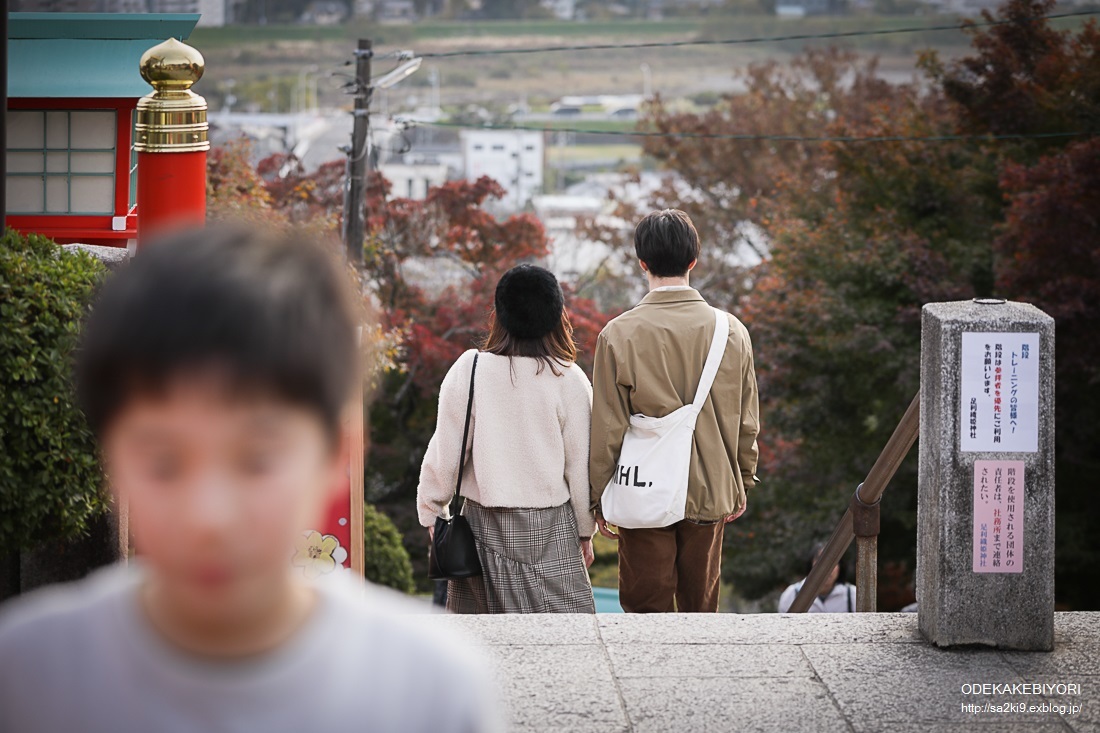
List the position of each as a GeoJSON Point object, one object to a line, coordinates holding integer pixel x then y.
{"type": "Point", "coordinates": [398, 34]}
{"type": "Point", "coordinates": [737, 26]}
{"type": "Point", "coordinates": [266, 67]}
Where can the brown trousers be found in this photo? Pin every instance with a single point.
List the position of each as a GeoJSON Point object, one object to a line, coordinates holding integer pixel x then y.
{"type": "Point", "coordinates": [668, 569]}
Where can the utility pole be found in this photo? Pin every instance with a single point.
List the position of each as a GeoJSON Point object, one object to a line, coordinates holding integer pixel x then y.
{"type": "Point", "coordinates": [355, 192]}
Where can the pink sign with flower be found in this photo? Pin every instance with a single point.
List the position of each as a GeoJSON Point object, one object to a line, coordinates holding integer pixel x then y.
{"type": "Point", "coordinates": [338, 542]}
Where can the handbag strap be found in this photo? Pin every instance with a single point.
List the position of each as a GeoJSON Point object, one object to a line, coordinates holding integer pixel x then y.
{"type": "Point", "coordinates": [714, 357]}
{"type": "Point", "coordinates": [465, 435]}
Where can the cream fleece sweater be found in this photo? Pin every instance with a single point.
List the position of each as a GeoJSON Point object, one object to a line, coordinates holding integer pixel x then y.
{"type": "Point", "coordinates": [529, 439]}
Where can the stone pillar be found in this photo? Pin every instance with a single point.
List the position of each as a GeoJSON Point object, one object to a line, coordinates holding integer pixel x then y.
{"type": "Point", "coordinates": [985, 501]}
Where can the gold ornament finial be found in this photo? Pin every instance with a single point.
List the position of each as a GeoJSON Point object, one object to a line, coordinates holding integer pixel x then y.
{"type": "Point", "coordinates": [172, 118]}
{"type": "Point", "coordinates": [172, 66]}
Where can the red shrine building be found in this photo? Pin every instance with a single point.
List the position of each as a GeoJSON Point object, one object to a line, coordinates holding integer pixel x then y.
{"type": "Point", "coordinates": [73, 87]}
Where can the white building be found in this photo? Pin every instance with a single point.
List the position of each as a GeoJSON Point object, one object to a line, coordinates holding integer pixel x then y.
{"type": "Point", "coordinates": [513, 158]}
{"type": "Point", "coordinates": [412, 181]}
{"type": "Point", "coordinates": [571, 255]}
{"type": "Point", "coordinates": [213, 12]}
{"type": "Point", "coordinates": [561, 9]}
{"type": "Point", "coordinates": [964, 7]}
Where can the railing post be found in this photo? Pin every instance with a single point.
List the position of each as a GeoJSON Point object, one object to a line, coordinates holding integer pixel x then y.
{"type": "Point", "coordinates": [901, 440]}
{"type": "Point", "coordinates": [865, 526]}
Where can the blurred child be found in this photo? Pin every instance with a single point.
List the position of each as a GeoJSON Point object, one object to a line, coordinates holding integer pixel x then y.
{"type": "Point", "coordinates": [215, 369]}
{"type": "Point", "coordinates": [835, 595]}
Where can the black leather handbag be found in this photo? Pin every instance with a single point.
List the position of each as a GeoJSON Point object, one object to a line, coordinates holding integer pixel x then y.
{"type": "Point", "coordinates": [454, 553]}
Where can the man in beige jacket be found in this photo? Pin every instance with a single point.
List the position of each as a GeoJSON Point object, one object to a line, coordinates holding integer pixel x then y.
{"type": "Point", "coordinates": [649, 361]}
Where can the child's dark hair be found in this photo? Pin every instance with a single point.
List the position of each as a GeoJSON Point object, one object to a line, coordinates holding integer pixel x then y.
{"type": "Point", "coordinates": [666, 241]}
{"type": "Point", "coordinates": [266, 312]}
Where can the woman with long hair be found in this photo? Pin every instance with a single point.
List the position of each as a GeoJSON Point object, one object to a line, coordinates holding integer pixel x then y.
{"type": "Point", "coordinates": [525, 481]}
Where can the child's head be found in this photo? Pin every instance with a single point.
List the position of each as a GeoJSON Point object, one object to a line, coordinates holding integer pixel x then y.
{"type": "Point", "coordinates": [215, 369]}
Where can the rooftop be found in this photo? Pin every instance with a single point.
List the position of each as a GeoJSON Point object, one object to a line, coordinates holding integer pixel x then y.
{"type": "Point", "coordinates": [82, 55]}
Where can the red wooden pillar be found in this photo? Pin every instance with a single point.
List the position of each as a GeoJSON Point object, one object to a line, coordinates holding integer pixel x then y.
{"type": "Point", "coordinates": [171, 139]}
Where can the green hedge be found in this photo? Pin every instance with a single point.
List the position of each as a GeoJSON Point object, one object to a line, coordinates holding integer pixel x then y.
{"type": "Point", "coordinates": [50, 482]}
{"type": "Point", "coordinates": [386, 561]}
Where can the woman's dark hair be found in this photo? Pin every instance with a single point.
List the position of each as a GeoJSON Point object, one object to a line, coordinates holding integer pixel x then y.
{"type": "Point", "coordinates": [555, 349]}
{"type": "Point", "coordinates": [266, 311]}
{"type": "Point", "coordinates": [666, 241]}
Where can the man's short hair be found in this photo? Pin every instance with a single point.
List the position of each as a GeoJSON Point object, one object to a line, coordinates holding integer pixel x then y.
{"type": "Point", "coordinates": [266, 311]}
{"type": "Point", "coordinates": [666, 241]}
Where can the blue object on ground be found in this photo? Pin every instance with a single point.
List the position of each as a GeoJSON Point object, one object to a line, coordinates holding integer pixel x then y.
{"type": "Point", "coordinates": [607, 600]}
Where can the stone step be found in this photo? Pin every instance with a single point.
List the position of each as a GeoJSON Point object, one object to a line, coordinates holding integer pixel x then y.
{"type": "Point", "coordinates": [772, 672]}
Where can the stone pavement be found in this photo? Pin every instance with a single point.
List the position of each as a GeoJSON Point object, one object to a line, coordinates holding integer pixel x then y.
{"type": "Point", "coordinates": [771, 672]}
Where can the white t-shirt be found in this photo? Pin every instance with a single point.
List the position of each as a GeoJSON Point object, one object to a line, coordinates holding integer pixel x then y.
{"type": "Point", "coordinates": [83, 657]}
{"type": "Point", "coordinates": [841, 599]}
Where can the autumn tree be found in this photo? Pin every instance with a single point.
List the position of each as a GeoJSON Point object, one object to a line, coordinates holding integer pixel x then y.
{"type": "Point", "coordinates": [726, 184]}
{"type": "Point", "coordinates": [1027, 78]}
{"type": "Point", "coordinates": [430, 269]}
{"type": "Point", "coordinates": [859, 235]}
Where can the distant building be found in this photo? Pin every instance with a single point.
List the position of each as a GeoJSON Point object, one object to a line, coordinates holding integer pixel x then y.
{"type": "Point", "coordinates": [570, 254]}
{"type": "Point", "coordinates": [964, 7]}
{"type": "Point", "coordinates": [79, 6]}
{"type": "Point", "coordinates": [71, 167]}
{"type": "Point", "coordinates": [561, 9]}
{"type": "Point", "coordinates": [514, 158]}
{"type": "Point", "coordinates": [802, 8]}
{"type": "Point", "coordinates": [324, 12]}
{"type": "Point", "coordinates": [212, 12]}
{"type": "Point", "coordinates": [659, 9]}
{"type": "Point", "coordinates": [412, 181]}
{"type": "Point", "coordinates": [395, 11]}
{"type": "Point", "coordinates": [427, 146]}
{"type": "Point", "coordinates": [595, 199]}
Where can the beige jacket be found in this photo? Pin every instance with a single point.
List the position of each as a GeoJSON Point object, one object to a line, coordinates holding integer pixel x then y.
{"type": "Point", "coordinates": [649, 361]}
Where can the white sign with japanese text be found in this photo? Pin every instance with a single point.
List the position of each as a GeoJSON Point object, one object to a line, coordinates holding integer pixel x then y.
{"type": "Point", "coordinates": [1000, 392]}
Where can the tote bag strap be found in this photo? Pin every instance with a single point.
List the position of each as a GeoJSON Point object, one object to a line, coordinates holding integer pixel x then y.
{"type": "Point", "coordinates": [465, 436]}
{"type": "Point", "coordinates": [714, 357]}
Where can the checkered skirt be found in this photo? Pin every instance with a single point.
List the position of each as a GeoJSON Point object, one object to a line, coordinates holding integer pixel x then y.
{"type": "Point", "coordinates": [531, 563]}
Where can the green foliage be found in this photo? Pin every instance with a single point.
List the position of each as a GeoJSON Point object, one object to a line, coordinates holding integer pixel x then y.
{"type": "Point", "coordinates": [385, 560]}
{"type": "Point", "coordinates": [50, 482]}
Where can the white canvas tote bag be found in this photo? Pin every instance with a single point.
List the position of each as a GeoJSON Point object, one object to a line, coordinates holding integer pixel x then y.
{"type": "Point", "coordinates": [650, 483]}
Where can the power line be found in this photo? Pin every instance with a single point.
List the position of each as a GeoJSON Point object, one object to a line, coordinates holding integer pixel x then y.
{"type": "Point", "coordinates": [755, 137]}
{"type": "Point", "coordinates": [754, 39]}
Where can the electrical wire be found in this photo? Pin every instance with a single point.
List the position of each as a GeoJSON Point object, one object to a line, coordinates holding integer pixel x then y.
{"type": "Point", "coordinates": [754, 39]}
{"type": "Point", "coordinates": [754, 137]}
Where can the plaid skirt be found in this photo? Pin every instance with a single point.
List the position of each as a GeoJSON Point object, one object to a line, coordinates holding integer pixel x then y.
{"type": "Point", "coordinates": [531, 563]}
